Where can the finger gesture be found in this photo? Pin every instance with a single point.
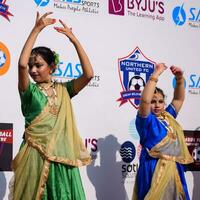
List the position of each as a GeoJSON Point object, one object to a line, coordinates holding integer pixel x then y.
{"type": "Point", "coordinates": [43, 21]}
{"type": "Point", "coordinates": [160, 68]}
{"type": "Point", "coordinates": [65, 30]}
{"type": "Point", "coordinates": [177, 71]}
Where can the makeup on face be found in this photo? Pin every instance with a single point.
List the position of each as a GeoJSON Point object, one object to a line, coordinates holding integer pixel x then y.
{"type": "Point", "coordinates": [39, 70]}
{"type": "Point", "coordinates": [157, 104]}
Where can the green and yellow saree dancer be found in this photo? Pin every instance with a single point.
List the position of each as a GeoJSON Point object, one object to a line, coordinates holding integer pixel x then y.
{"type": "Point", "coordinates": [46, 165]}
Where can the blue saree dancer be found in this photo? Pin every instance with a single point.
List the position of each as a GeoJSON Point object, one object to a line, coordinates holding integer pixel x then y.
{"type": "Point", "coordinates": [164, 152]}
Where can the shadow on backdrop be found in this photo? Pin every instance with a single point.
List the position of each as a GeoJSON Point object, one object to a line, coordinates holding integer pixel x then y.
{"type": "Point", "coordinates": [107, 177]}
{"type": "Point", "coordinates": [2, 185]}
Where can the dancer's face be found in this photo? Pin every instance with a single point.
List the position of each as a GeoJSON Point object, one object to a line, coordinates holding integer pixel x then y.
{"type": "Point", "coordinates": [157, 104]}
{"type": "Point", "coordinates": [39, 70]}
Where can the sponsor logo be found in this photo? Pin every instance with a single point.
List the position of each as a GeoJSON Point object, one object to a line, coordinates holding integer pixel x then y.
{"type": "Point", "coordinates": [134, 71]}
{"type": "Point", "coordinates": [174, 83]}
{"type": "Point", "coordinates": [143, 9]}
{"type": "Point", "coordinates": [191, 83]}
{"type": "Point", "coordinates": [192, 138]}
{"type": "Point", "coordinates": [78, 6]}
{"type": "Point", "coordinates": [192, 16]}
{"type": "Point", "coordinates": [116, 7]}
{"type": "Point", "coordinates": [91, 145]}
{"type": "Point", "coordinates": [128, 153]}
{"type": "Point", "coordinates": [4, 10]}
{"type": "Point", "coordinates": [194, 84]}
{"type": "Point", "coordinates": [68, 71]}
{"type": "Point", "coordinates": [4, 59]}
{"type": "Point", "coordinates": [179, 15]}
{"type": "Point", "coordinates": [6, 146]}
{"type": "Point", "coordinates": [42, 3]}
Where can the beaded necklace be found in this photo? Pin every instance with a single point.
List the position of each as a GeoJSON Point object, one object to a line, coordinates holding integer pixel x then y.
{"type": "Point", "coordinates": [46, 89]}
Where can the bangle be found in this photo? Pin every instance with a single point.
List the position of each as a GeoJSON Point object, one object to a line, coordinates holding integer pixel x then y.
{"type": "Point", "coordinates": [153, 79]}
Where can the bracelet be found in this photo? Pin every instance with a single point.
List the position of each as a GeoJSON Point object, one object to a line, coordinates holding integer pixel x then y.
{"type": "Point", "coordinates": [153, 79]}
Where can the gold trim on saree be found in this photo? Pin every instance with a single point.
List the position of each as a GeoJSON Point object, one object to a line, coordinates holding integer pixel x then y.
{"type": "Point", "coordinates": [51, 138]}
{"type": "Point", "coordinates": [164, 179]}
{"type": "Point", "coordinates": [171, 149]}
{"type": "Point", "coordinates": [177, 136]}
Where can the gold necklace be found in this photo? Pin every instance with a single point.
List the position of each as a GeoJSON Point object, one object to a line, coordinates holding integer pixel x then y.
{"type": "Point", "coordinates": [52, 99]}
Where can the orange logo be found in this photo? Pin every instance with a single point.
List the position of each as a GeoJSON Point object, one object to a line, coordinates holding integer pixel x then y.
{"type": "Point", "coordinates": [4, 59]}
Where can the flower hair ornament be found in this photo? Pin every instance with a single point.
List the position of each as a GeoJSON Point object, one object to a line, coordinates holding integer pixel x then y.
{"type": "Point", "coordinates": [56, 58]}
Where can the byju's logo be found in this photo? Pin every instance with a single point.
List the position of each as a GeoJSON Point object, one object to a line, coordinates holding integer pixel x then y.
{"type": "Point", "coordinates": [179, 15]}
{"type": "Point", "coordinates": [134, 71]}
{"type": "Point", "coordinates": [42, 3]}
{"type": "Point", "coordinates": [116, 7]}
{"type": "Point", "coordinates": [4, 10]}
{"type": "Point", "coordinates": [4, 59]}
{"type": "Point", "coordinates": [127, 152]}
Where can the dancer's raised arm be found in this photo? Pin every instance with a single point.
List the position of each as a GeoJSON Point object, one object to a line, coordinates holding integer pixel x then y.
{"type": "Point", "coordinates": [40, 24]}
{"type": "Point", "coordinates": [179, 91]}
{"type": "Point", "coordinates": [149, 89]}
{"type": "Point", "coordinates": [87, 75]}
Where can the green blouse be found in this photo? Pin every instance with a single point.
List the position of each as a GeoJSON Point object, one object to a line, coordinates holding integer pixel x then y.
{"type": "Point", "coordinates": [33, 100]}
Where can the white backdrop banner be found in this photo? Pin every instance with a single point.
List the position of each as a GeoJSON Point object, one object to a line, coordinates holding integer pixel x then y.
{"type": "Point", "coordinates": [123, 39]}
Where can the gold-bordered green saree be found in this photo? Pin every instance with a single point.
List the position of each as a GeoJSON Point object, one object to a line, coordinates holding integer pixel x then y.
{"type": "Point", "coordinates": [46, 165]}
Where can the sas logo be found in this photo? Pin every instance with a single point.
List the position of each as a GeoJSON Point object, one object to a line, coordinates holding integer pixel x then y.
{"type": "Point", "coordinates": [134, 71]}
{"type": "Point", "coordinates": [4, 59]}
{"type": "Point", "coordinates": [42, 3]}
{"type": "Point", "coordinates": [68, 70]}
{"type": "Point", "coordinates": [180, 15]}
{"type": "Point", "coordinates": [116, 7]}
{"type": "Point", "coordinates": [4, 10]}
{"type": "Point", "coordinates": [192, 83]}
